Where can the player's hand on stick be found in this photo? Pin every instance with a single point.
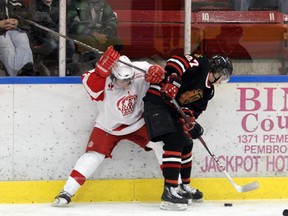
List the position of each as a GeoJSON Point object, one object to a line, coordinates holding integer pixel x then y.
{"type": "Point", "coordinates": [106, 62]}
{"type": "Point", "coordinates": [197, 131]}
{"type": "Point", "coordinates": [189, 123]}
{"type": "Point", "coordinates": [190, 126]}
{"type": "Point", "coordinates": [155, 74]}
{"type": "Point", "coordinates": [170, 89]}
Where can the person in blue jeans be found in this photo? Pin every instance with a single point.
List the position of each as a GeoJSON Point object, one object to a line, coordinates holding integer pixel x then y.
{"type": "Point", "coordinates": [16, 54]}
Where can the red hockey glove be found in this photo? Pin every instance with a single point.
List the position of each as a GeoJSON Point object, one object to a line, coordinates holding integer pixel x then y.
{"type": "Point", "coordinates": [106, 62]}
{"type": "Point", "coordinates": [170, 89]}
{"type": "Point", "coordinates": [155, 74]}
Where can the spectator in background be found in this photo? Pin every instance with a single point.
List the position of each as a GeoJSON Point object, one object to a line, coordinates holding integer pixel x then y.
{"type": "Point", "coordinates": [283, 5]}
{"type": "Point", "coordinates": [245, 5]}
{"type": "Point", "coordinates": [93, 23]}
{"type": "Point", "coordinates": [46, 13]}
{"type": "Point", "coordinates": [226, 43]}
{"type": "Point", "coordinates": [16, 54]}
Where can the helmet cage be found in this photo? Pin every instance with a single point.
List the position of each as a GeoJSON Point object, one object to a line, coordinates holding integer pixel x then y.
{"type": "Point", "coordinates": [128, 78]}
{"type": "Point", "coordinates": [122, 72]}
{"type": "Point", "coordinates": [222, 66]}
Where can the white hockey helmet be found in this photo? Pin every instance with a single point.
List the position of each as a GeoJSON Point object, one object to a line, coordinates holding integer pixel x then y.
{"type": "Point", "coordinates": [122, 71]}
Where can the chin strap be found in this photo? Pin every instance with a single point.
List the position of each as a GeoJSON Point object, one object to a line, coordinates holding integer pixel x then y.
{"type": "Point", "coordinates": [215, 79]}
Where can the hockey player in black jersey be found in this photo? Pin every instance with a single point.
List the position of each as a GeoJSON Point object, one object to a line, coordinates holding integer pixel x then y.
{"type": "Point", "coordinates": [189, 80]}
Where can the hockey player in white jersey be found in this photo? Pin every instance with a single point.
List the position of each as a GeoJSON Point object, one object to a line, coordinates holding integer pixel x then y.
{"type": "Point", "coordinates": [118, 91]}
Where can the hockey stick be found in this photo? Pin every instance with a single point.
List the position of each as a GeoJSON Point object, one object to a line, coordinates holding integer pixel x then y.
{"type": "Point", "coordinates": [75, 41]}
{"type": "Point", "coordinates": [244, 188]}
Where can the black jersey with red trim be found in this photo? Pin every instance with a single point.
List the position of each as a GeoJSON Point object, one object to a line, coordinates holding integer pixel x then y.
{"type": "Point", "coordinates": [195, 91]}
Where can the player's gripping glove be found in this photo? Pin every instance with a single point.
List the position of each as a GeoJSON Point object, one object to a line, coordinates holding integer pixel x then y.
{"type": "Point", "coordinates": [106, 62]}
{"type": "Point", "coordinates": [155, 74]}
{"type": "Point", "coordinates": [196, 131]}
{"type": "Point", "coordinates": [189, 123]}
{"type": "Point", "coordinates": [170, 89]}
{"type": "Point", "coordinates": [191, 128]}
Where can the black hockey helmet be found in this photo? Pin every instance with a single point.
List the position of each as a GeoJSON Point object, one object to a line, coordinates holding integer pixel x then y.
{"type": "Point", "coordinates": [222, 65]}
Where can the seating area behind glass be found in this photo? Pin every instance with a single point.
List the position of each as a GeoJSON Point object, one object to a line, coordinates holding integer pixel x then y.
{"type": "Point", "coordinates": [256, 40]}
{"type": "Point", "coordinates": [156, 30]}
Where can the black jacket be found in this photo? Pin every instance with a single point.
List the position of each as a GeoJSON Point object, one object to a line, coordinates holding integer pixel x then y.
{"type": "Point", "coordinates": [17, 10]}
{"type": "Point", "coordinates": [45, 15]}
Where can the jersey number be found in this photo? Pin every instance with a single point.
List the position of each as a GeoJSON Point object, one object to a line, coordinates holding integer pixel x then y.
{"type": "Point", "coordinates": [192, 62]}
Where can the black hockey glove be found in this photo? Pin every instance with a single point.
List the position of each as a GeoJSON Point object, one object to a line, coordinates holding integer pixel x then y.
{"type": "Point", "coordinates": [189, 123]}
{"type": "Point", "coordinates": [196, 131]}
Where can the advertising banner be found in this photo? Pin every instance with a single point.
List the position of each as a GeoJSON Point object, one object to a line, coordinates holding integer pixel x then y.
{"type": "Point", "coordinates": [247, 129]}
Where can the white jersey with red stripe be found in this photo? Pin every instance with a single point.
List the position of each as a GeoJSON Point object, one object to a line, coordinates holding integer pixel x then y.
{"type": "Point", "coordinates": [120, 111]}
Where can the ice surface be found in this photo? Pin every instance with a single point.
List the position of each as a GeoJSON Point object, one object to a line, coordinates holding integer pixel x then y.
{"type": "Point", "coordinates": [206, 208]}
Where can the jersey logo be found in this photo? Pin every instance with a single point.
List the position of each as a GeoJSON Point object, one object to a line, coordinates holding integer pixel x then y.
{"type": "Point", "coordinates": [191, 96]}
{"type": "Point", "coordinates": [126, 104]}
{"type": "Point", "coordinates": [110, 86]}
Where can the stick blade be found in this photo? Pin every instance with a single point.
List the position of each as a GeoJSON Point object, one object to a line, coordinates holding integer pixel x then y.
{"type": "Point", "coordinates": [248, 187]}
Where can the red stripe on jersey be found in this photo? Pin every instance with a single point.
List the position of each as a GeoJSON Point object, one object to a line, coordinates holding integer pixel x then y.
{"type": "Point", "coordinates": [183, 61]}
{"type": "Point", "coordinates": [121, 127]}
{"type": "Point", "coordinates": [180, 64]}
{"type": "Point", "coordinates": [78, 177]}
{"type": "Point", "coordinates": [93, 84]}
{"type": "Point", "coordinates": [176, 67]}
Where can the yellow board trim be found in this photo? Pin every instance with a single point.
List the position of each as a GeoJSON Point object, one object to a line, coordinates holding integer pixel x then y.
{"type": "Point", "coordinates": [146, 190]}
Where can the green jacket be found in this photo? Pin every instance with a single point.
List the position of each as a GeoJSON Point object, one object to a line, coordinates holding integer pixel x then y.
{"type": "Point", "coordinates": [91, 16]}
